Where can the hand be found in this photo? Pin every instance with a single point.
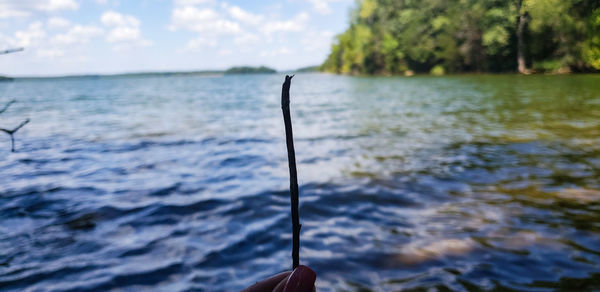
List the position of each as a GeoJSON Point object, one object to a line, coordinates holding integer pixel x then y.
{"type": "Point", "coordinates": [302, 279]}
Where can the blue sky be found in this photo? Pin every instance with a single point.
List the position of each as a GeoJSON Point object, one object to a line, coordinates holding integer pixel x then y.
{"type": "Point", "coordinates": [113, 36]}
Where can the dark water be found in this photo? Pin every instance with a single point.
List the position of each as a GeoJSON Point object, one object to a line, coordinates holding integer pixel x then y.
{"type": "Point", "coordinates": [180, 183]}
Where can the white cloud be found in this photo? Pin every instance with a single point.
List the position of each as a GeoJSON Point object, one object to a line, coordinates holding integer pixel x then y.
{"type": "Point", "coordinates": [57, 22]}
{"type": "Point", "coordinates": [50, 53]}
{"type": "Point", "coordinates": [189, 16]}
{"type": "Point", "coordinates": [111, 18]}
{"type": "Point", "coordinates": [225, 52]}
{"type": "Point", "coordinates": [40, 44]}
{"type": "Point", "coordinates": [24, 8]}
{"type": "Point", "coordinates": [9, 12]}
{"type": "Point", "coordinates": [246, 39]}
{"type": "Point", "coordinates": [124, 30]}
{"type": "Point", "coordinates": [242, 15]}
{"type": "Point", "coordinates": [230, 24]}
{"type": "Point", "coordinates": [200, 42]}
{"type": "Point", "coordinates": [322, 6]}
{"type": "Point", "coordinates": [31, 36]}
{"type": "Point", "coordinates": [128, 46]}
{"type": "Point", "coordinates": [202, 20]}
{"type": "Point", "coordinates": [123, 34]}
{"type": "Point", "coordinates": [77, 34]}
{"type": "Point", "coordinates": [276, 52]}
{"type": "Point", "coordinates": [256, 32]}
{"type": "Point", "coordinates": [191, 2]}
{"type": "Point", "coordinates": [215, 23]}
{"type": "Point", "coordinates": [298, 23]}
{"type": "Point", "coordinates": [317, 40]}
{"type": "Point", "coordinates": [55, 5]}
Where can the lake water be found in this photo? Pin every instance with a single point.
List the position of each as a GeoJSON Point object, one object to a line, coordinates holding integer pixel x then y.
{"type": "Point", "coordinates": [181, 183]}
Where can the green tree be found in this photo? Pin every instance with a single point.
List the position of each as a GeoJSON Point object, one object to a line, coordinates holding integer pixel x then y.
{"type": "Point", "coordinates": [394, 36]}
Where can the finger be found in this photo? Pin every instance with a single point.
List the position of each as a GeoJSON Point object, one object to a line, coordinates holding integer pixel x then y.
{"type": "Point", "coordinates": [267, 284]}
{"type": "Point", "coordinates": [302, 279]}
{"type": "Point", "coordinates": [281, 285]}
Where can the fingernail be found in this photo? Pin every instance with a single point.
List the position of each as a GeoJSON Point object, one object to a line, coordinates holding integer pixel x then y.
{"type": "Point", "coordinates": [302, 279]}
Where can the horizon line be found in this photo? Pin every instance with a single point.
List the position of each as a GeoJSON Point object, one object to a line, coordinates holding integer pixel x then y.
{"type": "Point", "coordinates": [149, 72]}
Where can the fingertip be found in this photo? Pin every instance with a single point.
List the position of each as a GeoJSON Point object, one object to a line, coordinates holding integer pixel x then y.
{"type": "Point", "coordinates": [268, 284]}
{"type": "Point", "coordinates": [302, 279]}
{"type": "Point", "coordinates": [281, 285]}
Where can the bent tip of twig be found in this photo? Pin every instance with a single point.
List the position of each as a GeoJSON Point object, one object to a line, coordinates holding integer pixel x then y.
{"type": "Point", "coordinates": [289, 77]}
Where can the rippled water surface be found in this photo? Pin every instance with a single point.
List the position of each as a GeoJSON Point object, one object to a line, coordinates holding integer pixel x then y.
{"type": "Point", "coordinates": [181, 183]}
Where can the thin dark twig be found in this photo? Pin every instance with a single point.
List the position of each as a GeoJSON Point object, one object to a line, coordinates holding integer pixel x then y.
{"type": "Point", "coordinates": [7, 106]}
{"type": "Point", "coordinates": [3, 52]}
{"type": "Point", "coordinates": [289, 139]}
{"type": "Point", "coordinates": [12, 132]}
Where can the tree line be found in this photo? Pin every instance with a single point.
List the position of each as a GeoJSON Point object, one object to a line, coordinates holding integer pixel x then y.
{"type": "Point", "coordinates": [441, 36]}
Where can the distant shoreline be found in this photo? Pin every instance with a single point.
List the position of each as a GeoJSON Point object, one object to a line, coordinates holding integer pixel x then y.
{"type": "Point", "coordinates": [223, 73]}
{"type": "Point", "coordinates": [118, 75]}
{"type": "Point", "coordinates": [243, 70]}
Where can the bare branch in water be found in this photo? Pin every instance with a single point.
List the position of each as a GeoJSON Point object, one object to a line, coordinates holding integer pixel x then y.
{"type": "Point", "coordinates": [12, 132]}
{"type": "Point", "coordinates": [7, 106]}
{"type": "Point", "coordinates": [289, 139]}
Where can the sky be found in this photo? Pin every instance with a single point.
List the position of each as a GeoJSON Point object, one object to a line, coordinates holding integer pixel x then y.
{"type": "Point", "coordinates": [63, 37]}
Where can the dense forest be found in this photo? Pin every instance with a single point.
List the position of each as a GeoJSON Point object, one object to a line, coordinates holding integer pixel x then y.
{"type": "Point", "coordinates": [441, 36]}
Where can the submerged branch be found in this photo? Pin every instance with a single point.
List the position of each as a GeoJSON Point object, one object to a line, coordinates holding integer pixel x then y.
{"type": "Point", "coordinates": [289, 139]}
{"type": "Point", "coordinates": [12, 132]}
{"type": "Point", "coordinates": [7, 106]}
